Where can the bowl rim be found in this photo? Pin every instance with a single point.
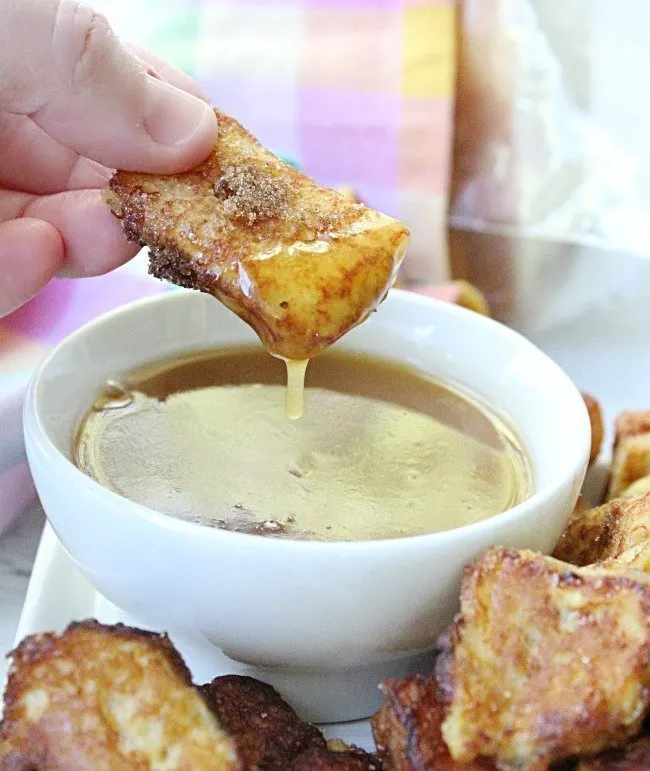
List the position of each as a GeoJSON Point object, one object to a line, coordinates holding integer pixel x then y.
{"type": "Point", "coordinates": [37, 436]}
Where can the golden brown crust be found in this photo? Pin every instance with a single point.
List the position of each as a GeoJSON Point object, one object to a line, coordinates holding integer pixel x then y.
{"type": "Point", "coordinates": [630, 463]}
{"type": "Point", "coordinates": [267, 730]}
{"type": "Point", "coordinates": [631, 451]}
{"type": "Point", "coordinates": [472, 298]}
{"type": "Point", "coordinates": [110, 698]}
{"type": "Point", "coordinates": [407, 728]}
{"type": "Point", "coordinates": [351, 759]}
{"type": "Point", "coordinates": [349, 193]}
{"type": "Point", "coordinates": [270, 735]}
{"type": "Point", "coordinates": [640, 487]}
{"type": "Point", "coordinates": [545, 661]}
{"type": "Point", "coordinates": [605, 532]}
{"type": "Point", "coordinates": [298, 262]}
{"type": "Point", "coordinates": [407, 731]}
{"type": "Point", "coordinates": [597, 426]}
{"type": "Point", "coordinates": [631, 423]}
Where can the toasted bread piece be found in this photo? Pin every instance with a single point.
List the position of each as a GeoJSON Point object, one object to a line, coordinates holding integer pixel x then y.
{"type": "Point", "coordinates": [471, 298]}
{"type": "Point", "coordinates": [634, 757]}
{"type": "Point", "coordinates": [107, 698]}
{"type": "Point", "coordinates": [298, 262]}
{"type": "Point", "coordinates": [637, 488]}
{"type": "Point", "coordinates": [631, 423]}
{"type": "Point", "coordinates": [630, 463]}
{"type": "Point", "coordinates": [270, 735]}
{"type": "Point", "coordinates": [605, 532]}
{"type": "Point", "coordinates": [597, 426]}
{"type": "Point", "coordinates": [349, 193]}
{"type": "Point", "coordinates": [350, 759]}
{"type": "Point", "coordinates": [631, 452]}
{"type": "Point", "coordinates": [545, 661]}
{"type": "Point", "coordinates": [11, 759]}
{"type": "Point", "coordinates": [637, 557]}
{"type": "Point", "coordinates": [407, 728]}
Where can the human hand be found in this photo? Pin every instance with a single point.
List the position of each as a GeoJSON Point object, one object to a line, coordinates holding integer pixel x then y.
{"type": "Point", "coordinates": [74, 104]}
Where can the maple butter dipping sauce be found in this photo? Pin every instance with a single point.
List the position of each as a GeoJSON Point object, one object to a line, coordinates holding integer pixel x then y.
{"type": "Point", "coordinates": [382, 451]}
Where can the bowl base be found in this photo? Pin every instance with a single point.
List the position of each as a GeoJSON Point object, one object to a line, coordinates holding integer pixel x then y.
{"type": "Point", "coordinates": [335, 695]}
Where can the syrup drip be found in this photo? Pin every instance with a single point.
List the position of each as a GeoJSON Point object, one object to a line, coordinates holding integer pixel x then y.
{"type": "Point", "coordinates": [294, 403]}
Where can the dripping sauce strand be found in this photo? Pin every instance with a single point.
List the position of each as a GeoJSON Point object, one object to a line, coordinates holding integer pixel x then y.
{"type": "Point", "coordinates": [295, 395]}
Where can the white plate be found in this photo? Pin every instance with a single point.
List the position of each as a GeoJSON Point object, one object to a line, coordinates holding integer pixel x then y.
{"type": "Point", "coordinates": [59, 594]}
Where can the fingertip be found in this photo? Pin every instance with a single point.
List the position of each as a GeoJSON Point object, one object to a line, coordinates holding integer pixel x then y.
{"type": "Point", "coordinates": [178, 132]}
{"type": "Point", "coordinates": [182, 126]}
{"type": "Point", "coordinates": [93, 238]}
{"type": "Point", "coordinates": [91, 263]}
{"type": "Point", "coordinates": [31, 252]}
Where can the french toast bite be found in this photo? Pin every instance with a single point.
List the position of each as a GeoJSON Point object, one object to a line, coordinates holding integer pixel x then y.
{"type": "Point", "coordinates": [407, 728]}
{"type": "Point", "coordinates": [300, 263]}
{"type": "Point", "coordinates": [605, 532]}
{"type": "Point", "coordinates": [631, 454]}
{"type": "Point", "coordinates": [597, 426]}
{"type": "Point", "coordinates": [107, 698]}
{"type": "Point", "coordinates": [545, 661]}
{"type": "Point", "coordinates": [270, 735]}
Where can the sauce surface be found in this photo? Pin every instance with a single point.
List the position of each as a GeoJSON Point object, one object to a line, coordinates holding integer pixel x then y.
{"type": "Point", "coordinates": [382, 451]}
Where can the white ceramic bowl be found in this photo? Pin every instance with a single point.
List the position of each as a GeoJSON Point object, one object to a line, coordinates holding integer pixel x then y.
{"type": "Point", "coordinates": [324, 622]}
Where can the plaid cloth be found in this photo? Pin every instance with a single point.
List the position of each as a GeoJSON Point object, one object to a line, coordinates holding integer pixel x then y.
{"type": "Point", "coordinates": [355, 92]}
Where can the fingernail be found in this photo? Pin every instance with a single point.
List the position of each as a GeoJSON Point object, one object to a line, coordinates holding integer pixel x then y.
{"type": "Point", "coordinates": [173, 116]}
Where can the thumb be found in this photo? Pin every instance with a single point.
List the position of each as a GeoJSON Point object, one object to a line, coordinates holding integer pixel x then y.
{"type": "Point", "coordinates": [82, 86]}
